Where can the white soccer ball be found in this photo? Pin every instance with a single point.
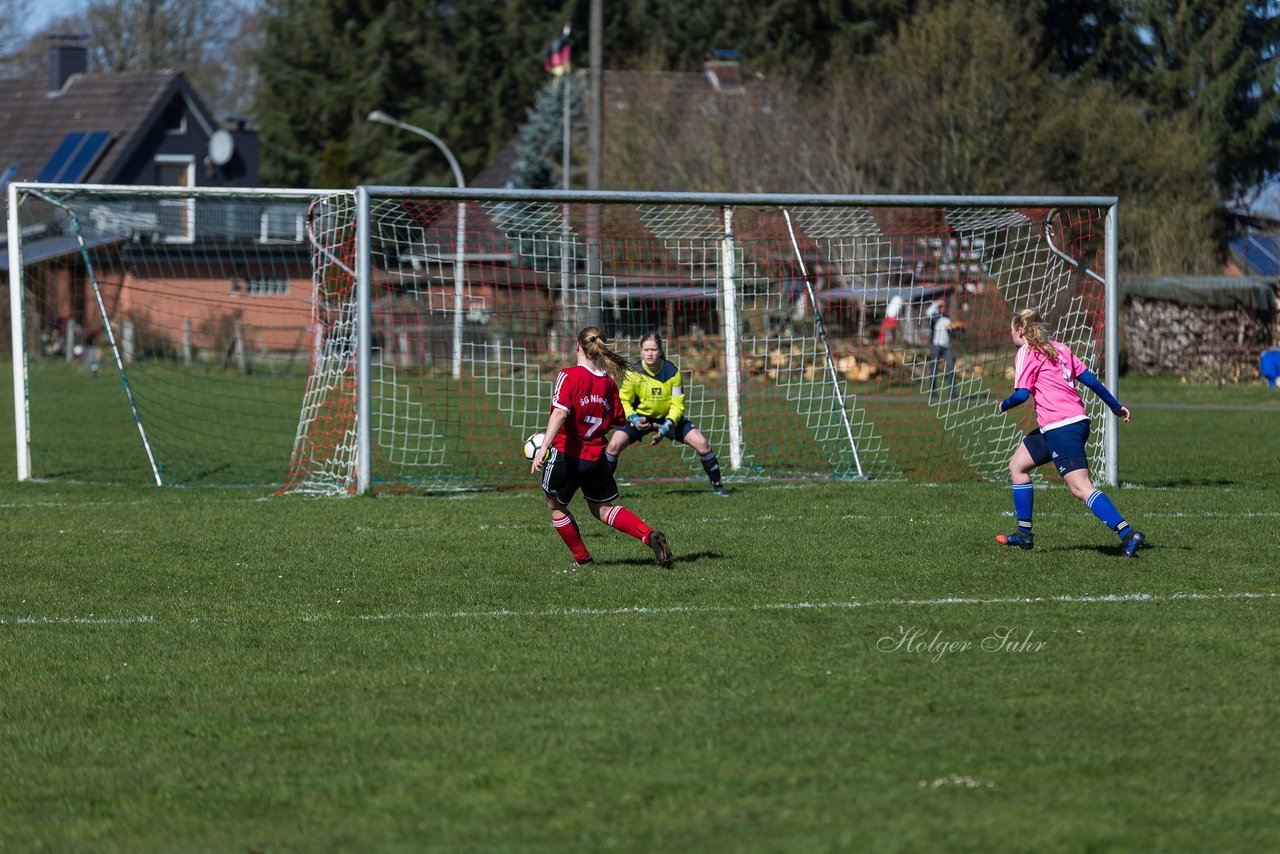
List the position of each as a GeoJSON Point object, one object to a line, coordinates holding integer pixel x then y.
{"type": "Point", "coordinates": [532, 444]}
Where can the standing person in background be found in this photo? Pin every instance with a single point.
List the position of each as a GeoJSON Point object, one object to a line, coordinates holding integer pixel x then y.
{"type": "Point", "coordinates": [889, 326]}
{"type": "Point", "coordinates": [584, 405]}
{"type": "Point", "coordinates": [1046, 371]}
{"type": "Point", "coordinates": [653, 399]}
{"type": "Point", "coordinates": [940, 348]}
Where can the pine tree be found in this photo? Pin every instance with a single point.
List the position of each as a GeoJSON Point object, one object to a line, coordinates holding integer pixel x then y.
{"type": "Point", "coordinates": [540, 149]}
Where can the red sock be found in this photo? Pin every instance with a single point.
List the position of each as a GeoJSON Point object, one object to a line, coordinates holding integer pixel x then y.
{"type": "Point", "coordinates": [567, 528]}
{"type": "Point", "coordinates": [627, 522]}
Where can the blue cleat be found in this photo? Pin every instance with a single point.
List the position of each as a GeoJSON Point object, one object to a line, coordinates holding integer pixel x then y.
{"type": "Point", "coordinates": [1017, 538]}
{"type": "Point", "coordinates": [719, 489]}
{"type": "Point", "coordinates": [1132, 543]}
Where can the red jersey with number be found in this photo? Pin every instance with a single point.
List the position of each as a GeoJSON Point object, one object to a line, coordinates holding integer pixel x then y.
{"type": "Point", "coordinates": [591, 399]}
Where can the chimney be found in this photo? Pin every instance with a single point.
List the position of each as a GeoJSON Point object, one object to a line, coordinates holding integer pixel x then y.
{"type": "Point", "coordinates": [68, 55]}
{"type": "Point", "coordinates": [723, 71]}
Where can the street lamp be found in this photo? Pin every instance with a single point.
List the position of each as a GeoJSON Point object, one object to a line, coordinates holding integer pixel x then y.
{"type": "Point", "coordinates": [382, 118]}
{"type": "Point", "coordinates": [459, 248]}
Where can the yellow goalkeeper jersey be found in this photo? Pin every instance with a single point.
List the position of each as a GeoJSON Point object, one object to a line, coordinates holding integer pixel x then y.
{"type": "Point", "coordinates": [654, 395]}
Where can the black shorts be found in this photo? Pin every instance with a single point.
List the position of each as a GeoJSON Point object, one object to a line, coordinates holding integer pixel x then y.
{"type": "Point", "coordinates": [682, 428]}
{"type": "Point", "coordinates": [563, 476]}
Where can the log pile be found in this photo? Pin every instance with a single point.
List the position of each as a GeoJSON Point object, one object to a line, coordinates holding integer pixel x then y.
{"type": "Point", "coordinates": [1199, 343]}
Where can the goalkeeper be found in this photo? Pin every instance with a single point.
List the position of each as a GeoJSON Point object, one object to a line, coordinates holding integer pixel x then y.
{"type": "Point", "coordinates": [653, 400]}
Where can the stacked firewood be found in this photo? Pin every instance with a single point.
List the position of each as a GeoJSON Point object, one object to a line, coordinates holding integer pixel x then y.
{"type": "Point", "coordinates": [1199, 343]}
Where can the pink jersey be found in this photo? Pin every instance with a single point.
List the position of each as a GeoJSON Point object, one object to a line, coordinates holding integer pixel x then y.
{"type": "Point", "coordinates": [592, 401]}
{"type": "Point", "coordinates": [1052, 384]}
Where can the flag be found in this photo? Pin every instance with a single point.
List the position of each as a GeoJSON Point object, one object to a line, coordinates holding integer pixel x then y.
{"type": "Point", "coordinates": [556, 57]}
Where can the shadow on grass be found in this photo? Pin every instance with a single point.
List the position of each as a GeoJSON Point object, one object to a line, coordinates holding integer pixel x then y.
{"type": "Point", "coordinates": [1173, 483]}
{"type": "Point", "coordinates": [691, 557]}
{"type": "Point", "coordinates": [1115, 550]}
{"type": "Point", "coordinates": [692, 490]}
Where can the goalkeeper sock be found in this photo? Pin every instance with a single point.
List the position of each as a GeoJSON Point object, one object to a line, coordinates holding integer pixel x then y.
{"type": "Point", "coordinates": [1102, 507]}
{"type": "Point", "coordinates": [1023, 500]}
{"type": "Point", "coordinates": [622, 519]}
{"type": "Point", "coordinates": [711, 466]}
{"type": "Point", "coordinates": [611, 460]}
{"type": "Point", "coordinates": [567, 528]}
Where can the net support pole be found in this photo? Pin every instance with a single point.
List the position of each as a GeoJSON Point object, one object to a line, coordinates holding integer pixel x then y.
{"type": "Point", "coordinates": [1111, 431]}
{"type": "Point", "coordinates": [121, 360]}
{"type": "Point", "coordinates": [826, 349]}
{"type": "Point", "coordinates": [17, 337]}
{"type": "Point", "coordinates": [364, 408]}
{"type": "Point", "coordinates": [733, 380]}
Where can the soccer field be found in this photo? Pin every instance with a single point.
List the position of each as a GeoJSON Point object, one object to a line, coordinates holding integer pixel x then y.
{"type": "Point", "coordinates": [828, 666]}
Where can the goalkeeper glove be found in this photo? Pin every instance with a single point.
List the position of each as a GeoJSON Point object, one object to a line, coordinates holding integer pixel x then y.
{"type": "Point", "coordinates": [666, 427]}
{"type": "Point", "coordinates": [634, 418]}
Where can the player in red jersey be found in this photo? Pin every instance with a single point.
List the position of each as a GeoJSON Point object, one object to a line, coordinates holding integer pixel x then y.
{"type": "Point", "coordinates": [584, 407]}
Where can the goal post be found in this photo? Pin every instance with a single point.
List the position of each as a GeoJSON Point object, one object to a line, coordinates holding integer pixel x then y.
{"type": "Point", "coordinates": [399, 338]}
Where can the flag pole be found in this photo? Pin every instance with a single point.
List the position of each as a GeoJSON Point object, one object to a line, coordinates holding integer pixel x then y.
{"type": "Point", "coordinates": [565, 153]}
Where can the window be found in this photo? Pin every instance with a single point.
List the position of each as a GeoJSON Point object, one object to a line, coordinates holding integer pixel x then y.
{"type": "Point", "coordinates": [260, 286]}
{"type": "Point", "coordinates": [175, 117]}
{"type": "Point", "coordinates": [177, 216]}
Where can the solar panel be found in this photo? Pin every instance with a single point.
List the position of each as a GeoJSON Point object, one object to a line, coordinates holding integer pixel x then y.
{"type": "Point", "coordinates": [74, 157]}
{"type": "Point", "coordinates": [1263, 255]}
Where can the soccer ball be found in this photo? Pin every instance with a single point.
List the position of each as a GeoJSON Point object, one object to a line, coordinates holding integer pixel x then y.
{"type": "Point", "coordinates": [532, 444]}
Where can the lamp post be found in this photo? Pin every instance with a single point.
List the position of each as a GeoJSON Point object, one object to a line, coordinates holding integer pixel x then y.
{"type": "Point", "coordinates": [459, 248]}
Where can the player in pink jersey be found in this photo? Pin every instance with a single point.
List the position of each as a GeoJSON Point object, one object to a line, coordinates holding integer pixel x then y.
{"type": "Point", "coordinates": [1047, 371]}
{"type": "Point", "coordinates": [584, 406]}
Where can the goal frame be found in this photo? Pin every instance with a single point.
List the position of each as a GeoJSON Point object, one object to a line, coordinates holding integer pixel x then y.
{"type": "Point", "coordinates": [1109, 468]}
{"type": "Point", "coordinates": [725, 203]}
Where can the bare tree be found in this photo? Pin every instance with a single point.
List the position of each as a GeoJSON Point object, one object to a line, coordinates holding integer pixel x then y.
{"type": "Point", "coordinates": [198, 37]}
{"type": "Point", "coordinates": [14, 15]}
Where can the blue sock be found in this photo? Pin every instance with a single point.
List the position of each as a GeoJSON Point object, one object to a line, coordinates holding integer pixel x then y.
{"type": "Point", "coordinates": [1023, 499]}
{"type": "Point", "coordinates": [1102, 507]}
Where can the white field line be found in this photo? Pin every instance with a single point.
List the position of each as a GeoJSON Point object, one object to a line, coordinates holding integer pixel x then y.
{"type": "Point", "coordinates": [660, 610]}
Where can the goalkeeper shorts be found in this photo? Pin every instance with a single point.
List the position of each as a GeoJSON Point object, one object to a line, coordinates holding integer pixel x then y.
{"type": "Point", "coordinates": [683, 426]}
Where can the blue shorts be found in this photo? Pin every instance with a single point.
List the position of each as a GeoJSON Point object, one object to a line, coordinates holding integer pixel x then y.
{"type": "Point", "coordinates": [683, 426]}
{"type": "Point", "coordinates": [1063, 446]}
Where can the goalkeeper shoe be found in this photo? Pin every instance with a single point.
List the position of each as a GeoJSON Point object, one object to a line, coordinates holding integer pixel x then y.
{"type": "Point", "coordinates": [1132, 543]}
{"type": "Point", "coordinates": [661, 551]}
{"type": "Point", "coordinates": [1021, 539]}
{"type": "Point", "coordinates": [718, 489]}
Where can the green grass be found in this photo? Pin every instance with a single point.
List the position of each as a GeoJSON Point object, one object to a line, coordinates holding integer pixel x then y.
{"type": "Point", "coordinates": [216, 670]}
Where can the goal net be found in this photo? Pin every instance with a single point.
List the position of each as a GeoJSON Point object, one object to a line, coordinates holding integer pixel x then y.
{"type": "Point", "coordinates": [773, 307]}
{"type": "Point", "coordinates": [408, 339]}
{"type": "Point", "coordinates": [205, 303]}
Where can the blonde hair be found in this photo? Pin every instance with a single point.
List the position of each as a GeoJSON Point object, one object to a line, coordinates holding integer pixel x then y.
{"type": "Point", "coordinates": [1031, 326]}
{"type": "Point", "coordinates": [595, 346]}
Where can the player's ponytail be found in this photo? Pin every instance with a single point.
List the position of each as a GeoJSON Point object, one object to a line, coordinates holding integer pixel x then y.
{"type": "Point", "coordinates": [596, 348]}
{"type": "Point", "coordinates": [1029, 324]}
